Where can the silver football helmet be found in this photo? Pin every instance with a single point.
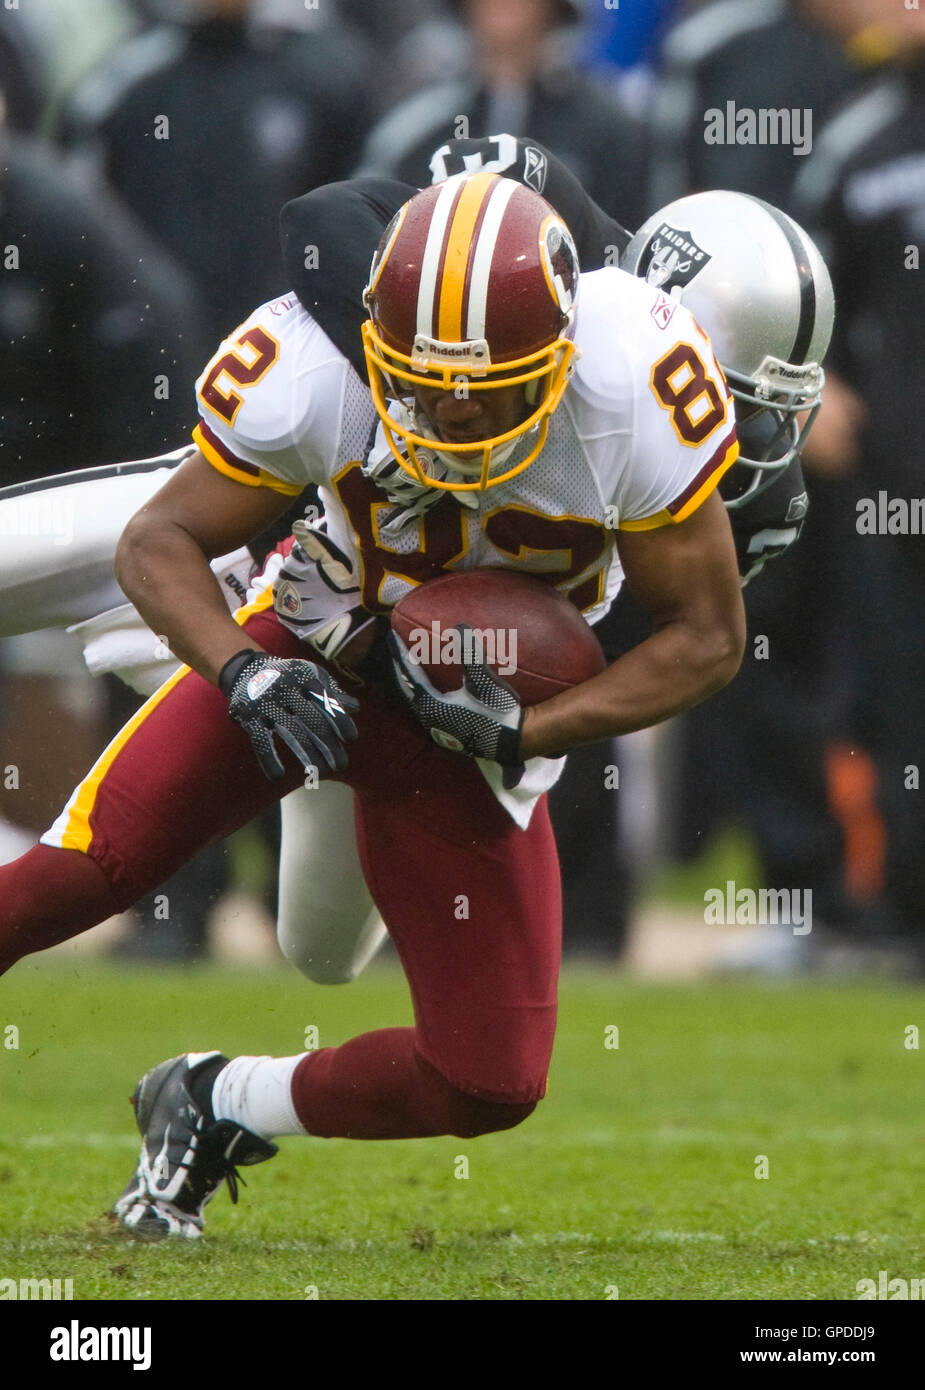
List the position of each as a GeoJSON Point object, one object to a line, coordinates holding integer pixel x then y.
{"type": "Point", "coordinates": [757, 285]}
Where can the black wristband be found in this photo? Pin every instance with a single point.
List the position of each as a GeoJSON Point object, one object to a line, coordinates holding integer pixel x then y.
{"type": "Point", "coordinates": [233, 668]}
{"type": "Point", "coordinates": [508, 750]}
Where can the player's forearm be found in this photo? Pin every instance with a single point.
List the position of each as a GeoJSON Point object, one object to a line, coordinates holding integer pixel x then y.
{"type": "Point", "coordinates": [167, 576]}
{"type": "Point", "coordinates": [671, 671]}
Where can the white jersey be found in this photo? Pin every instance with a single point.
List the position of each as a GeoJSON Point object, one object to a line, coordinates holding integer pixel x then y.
{"type": "Point", "coordinates": [644, 433]}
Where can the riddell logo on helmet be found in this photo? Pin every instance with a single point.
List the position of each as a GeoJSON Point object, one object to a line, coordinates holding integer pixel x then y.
{"type": "Point", "coordinates": [774, 374]}
{"type": "Point", "coordinates": [474, 352]}
{"type": "Point", "coordinates": [794, 373]}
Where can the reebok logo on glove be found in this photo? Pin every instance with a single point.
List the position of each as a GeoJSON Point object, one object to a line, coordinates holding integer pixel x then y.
{"type": "Point", "coordinates": [292, 701]}
{"type": "Point", "coordinates": [330, 706]}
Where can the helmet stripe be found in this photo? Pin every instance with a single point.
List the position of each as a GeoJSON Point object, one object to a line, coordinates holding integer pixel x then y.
{"type": "Point", "coordinates": [498, 200]}
{"type": "Point", "coordinates": [433, 249]}
{"type": "Point", "coordinates": [476, 234]}
{"type": "Point", "coordinates": [807, 324]}
{"type": "Point", "coordinates": [457, 258]}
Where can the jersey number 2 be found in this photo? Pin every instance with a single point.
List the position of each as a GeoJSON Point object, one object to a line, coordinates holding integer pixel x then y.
{"type": "Point", "coordinates": [263, 350]}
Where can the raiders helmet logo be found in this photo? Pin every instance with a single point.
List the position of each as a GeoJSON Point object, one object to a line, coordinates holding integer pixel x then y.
{"type": "Point", "coordinates": [672, 258]}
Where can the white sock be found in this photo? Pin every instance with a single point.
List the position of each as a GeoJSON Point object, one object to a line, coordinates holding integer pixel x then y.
{"type": "Point", "coordinates": [256, 1092]}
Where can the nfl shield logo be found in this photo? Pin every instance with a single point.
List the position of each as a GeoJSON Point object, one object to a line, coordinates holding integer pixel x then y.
{"type": "Point", "coordinates": [288, 601]}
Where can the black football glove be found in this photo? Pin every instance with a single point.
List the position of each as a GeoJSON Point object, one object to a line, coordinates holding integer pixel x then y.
{"type": "Point", "coordinates": [483, 718]}
{"type": "Point", "coordinates": [294, 700]}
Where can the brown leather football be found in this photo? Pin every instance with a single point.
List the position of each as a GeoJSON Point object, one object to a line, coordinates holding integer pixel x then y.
{"type": "Point", "coordinates": [525, 630]}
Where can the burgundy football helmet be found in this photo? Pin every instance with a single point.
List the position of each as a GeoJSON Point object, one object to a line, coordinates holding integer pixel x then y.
{"type": "Point", "coordinates": [472, 288]}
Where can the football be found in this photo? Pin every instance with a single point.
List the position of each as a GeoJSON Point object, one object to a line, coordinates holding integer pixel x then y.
{"type": "Point", "coordinates": [526, 631]}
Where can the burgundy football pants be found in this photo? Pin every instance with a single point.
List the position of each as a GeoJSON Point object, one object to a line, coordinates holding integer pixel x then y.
{"type": "Point", "coordinates": [471, 902]}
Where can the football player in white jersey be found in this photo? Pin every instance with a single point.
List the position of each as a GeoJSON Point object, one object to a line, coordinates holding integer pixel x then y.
{"type": "Point", "coordinates": [584, 447]}
{"type": "Point", "coordinates": [739, 250]}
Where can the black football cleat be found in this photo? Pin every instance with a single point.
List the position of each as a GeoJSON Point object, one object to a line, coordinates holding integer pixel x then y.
{"type": "Point", "coordinates": [186, 1154]}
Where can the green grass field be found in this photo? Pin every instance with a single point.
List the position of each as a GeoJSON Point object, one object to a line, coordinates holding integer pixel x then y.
{"type": "Point", "coordinates": [638, 1171]}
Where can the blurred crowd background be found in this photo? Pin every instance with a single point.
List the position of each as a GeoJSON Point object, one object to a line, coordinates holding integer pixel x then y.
{"type": "Point", "coordinates": [146, 147]}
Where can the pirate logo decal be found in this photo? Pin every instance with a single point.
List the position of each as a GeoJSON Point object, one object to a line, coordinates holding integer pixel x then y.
{"type": "Point", "coordinates": [672, 258]}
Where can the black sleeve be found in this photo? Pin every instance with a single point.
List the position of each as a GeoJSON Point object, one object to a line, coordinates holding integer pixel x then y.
{"type": "Point", "coordinates": [599, 239]}
{"type": "Point", "coordinates": [329, 237]}
{"type": "Point", "coordinates": [330, 234]}
{"type": "Point", "coordinates": [767, 525]}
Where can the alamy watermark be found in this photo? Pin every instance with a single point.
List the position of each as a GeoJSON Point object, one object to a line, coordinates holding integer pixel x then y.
{"type": "Point", "coordinates": [77, 1343]}
{"type": "Point", "coordinates": [32, 1288]}
{"type": "Point", "coordinates": [764, 907]}
{"type": "Point", "coordinates": [883, 1287]}
{"type": "Point", "coordinates": [890, 516]}
{"type": "Point", "coordinates": [768, 125]}
{"type": "Point", "coordinates": [495, 647]}
{"type": "Point", "coordinates": [44, 514]}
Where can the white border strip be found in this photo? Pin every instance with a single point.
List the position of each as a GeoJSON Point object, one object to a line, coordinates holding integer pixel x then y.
{"type": "Point", "coordinates": [499, 197]}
